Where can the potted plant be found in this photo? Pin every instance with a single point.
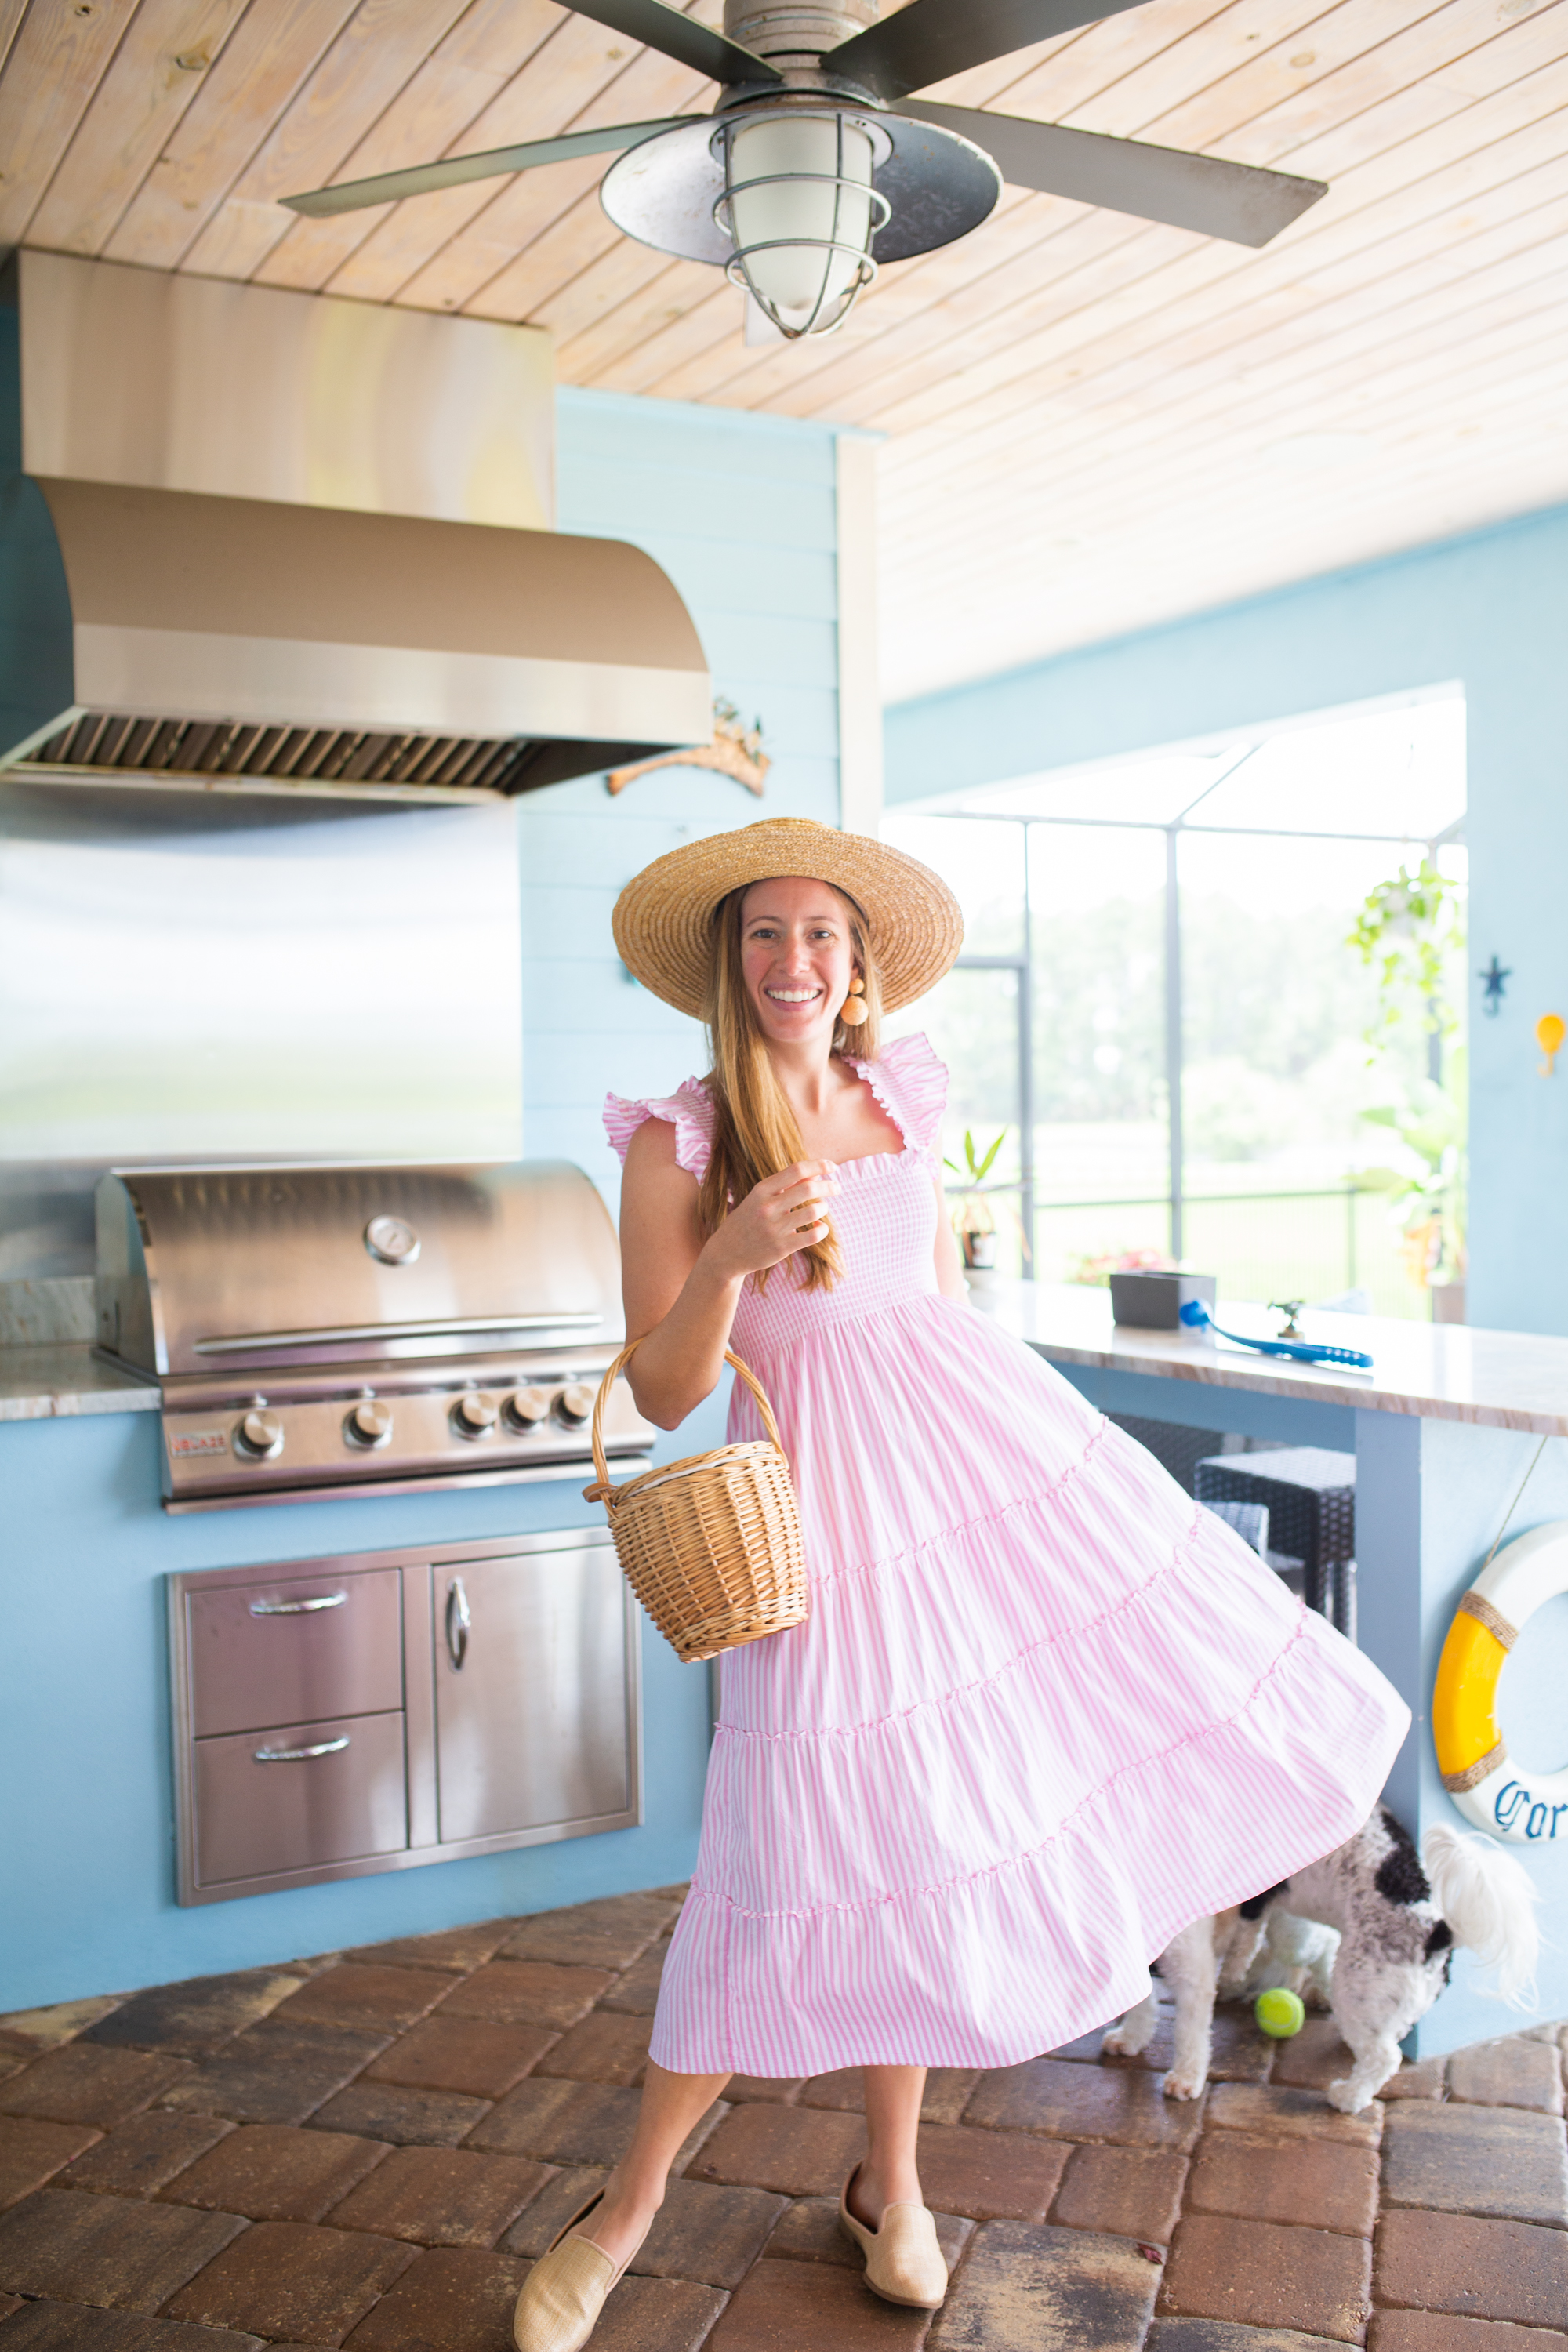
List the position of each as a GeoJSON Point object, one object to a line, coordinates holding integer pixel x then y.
{"type": "Point", "coordinates": [1429, 1204]}
{"type": "Point", "coordinates": [973, 1218]}
{"type": "Point", "coordinates": [1411, 932]}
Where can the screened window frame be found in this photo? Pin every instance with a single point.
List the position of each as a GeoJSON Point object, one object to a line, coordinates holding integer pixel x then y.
{"type": "Point", "coordinates": [1022, 964]}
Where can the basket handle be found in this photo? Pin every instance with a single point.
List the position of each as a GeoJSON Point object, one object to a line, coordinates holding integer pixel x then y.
{"type": "Point", "coordinates": [603, 1468]}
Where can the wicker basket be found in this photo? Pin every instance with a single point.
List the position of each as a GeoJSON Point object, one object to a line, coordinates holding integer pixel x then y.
{"type": "Point", "coordinates": [711, 1545]}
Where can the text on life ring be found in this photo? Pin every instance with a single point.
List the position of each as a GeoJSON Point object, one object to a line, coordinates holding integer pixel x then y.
{"type": "Point", "coordinates": [1528, 1809]}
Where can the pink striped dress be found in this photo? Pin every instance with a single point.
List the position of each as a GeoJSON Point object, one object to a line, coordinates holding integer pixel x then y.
{"type": "Point", "coordinates": [1046, 1709]}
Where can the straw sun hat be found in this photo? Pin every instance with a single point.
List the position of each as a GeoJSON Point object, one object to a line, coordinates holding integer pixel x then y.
{"type": "Point", "coordinates": [663, 921]}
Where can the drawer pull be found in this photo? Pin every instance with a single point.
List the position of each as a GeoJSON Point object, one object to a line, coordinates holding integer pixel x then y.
{"type": "Point", "coordinates": [298, 1608]}
{"type": "Point", "coordinates": [301, 1755]}
{"type": "Point", "coordinates": [458, 1622]}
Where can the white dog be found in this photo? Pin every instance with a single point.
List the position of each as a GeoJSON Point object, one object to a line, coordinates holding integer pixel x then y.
{"type": "Point", "coordinates": [1395, 1926]}
{"type": "Point", "coordinates": [1296, 1953]}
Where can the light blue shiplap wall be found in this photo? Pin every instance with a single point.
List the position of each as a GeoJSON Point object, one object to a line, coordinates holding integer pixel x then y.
{"type": "Point", "coordinates": [1490, 610]}
{"type": "Point", "coordinates": [741, 511]}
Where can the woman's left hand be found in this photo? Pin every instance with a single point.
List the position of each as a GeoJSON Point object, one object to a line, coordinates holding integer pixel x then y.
{"type": "Point", "coordinates": [779, 1216]}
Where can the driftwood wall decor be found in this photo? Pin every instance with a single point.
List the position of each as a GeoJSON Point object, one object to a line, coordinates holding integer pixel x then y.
{"type": "Point", "coordinates": [735, 750]}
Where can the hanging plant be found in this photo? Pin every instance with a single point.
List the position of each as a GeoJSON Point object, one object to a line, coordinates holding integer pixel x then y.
{"type": "Point", "coordinates": [1411, 932]}
{"type": "Point", "coordinates": [1408, 931]}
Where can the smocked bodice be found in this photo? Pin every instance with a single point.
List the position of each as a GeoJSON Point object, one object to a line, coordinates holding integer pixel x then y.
{"type": "Point", "coordinates": [884, 1214]}
{"type": "Point", "coordinates": [885, 1218]}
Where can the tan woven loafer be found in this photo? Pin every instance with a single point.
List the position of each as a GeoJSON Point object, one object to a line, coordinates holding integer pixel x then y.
{"type": "Point", "coordinates": [565, 2291]}
{"type": "Point", "coordinates": [903, 2261]}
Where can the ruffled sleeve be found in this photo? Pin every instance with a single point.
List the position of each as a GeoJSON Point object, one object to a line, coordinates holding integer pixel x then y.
{"type": "Point", "coordinates": [910, 1084]}
{"type": "Point", "coordinates": [688, 1111]}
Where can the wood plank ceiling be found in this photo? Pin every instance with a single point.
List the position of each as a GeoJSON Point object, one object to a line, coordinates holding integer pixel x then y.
{"type": "Point", "coordinates": [1093, 422]}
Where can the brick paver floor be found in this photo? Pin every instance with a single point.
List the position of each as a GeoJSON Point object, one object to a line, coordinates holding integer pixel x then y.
{"type": "Point", "coordinates": [369, 2149]}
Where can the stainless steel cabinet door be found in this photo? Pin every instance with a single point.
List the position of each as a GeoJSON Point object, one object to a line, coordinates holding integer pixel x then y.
{"type": "Point", "coordinates": [532, 1700]}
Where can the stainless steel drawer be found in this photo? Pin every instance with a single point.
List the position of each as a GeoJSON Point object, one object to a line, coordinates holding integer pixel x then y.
{"type": "Point", "coordinates": [533, 1712]}
{"type": "Point", "coordinates": [440, 1739]}
{"type": "Point", "coordinates": [298, 1796]}
{"type": "Point", "coordinates": [294, 1648]}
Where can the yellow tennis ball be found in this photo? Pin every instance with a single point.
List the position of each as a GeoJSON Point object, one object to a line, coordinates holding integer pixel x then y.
{"type": "Point", "coordinates": [1279, 2013]}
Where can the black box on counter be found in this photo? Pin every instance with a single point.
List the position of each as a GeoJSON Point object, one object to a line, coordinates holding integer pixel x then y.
{"type": "Point", "coordinates": [1153, 1302]}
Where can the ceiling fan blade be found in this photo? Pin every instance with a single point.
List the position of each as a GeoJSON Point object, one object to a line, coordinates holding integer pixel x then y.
{"type": "Point", "coordinates": [931, 39]}
{"type": "Point", "coordinates": [679, 37]}
{"type": "Point", "coordinates": [423, 179]}
{"type": "Point", "coordinates": [1236, 201]}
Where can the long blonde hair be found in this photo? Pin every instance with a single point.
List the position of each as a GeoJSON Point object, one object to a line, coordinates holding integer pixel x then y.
{"type": "Point", "coordinates": [756, 1132]}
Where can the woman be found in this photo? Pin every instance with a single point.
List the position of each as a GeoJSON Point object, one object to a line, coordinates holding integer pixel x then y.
{"type": "Point", "coordinates": [1045, 1710]}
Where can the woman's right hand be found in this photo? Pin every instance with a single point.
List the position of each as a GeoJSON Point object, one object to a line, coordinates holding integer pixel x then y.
{"type": "Point", "coordinates": [782, 1214]}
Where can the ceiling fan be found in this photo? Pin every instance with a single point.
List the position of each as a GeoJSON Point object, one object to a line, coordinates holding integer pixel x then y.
{"type": "Point", "coordinates": [816, 165]}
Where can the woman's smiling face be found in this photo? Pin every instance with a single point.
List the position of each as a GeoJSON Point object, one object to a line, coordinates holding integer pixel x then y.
{"type": "Point", "coordinates": [797, 956]}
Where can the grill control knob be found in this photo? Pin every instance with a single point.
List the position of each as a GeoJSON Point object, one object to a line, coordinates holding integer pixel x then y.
{"type": "Point", "coordinates": [259, 1435]}
{"type": "Point", "coordinates": [575, 1403]}
{"type": "Point", "coordinates": [475, 1413]}
{"type": "Point", "coordinates": [368, 1423]}
{"type": "Point", "coordinates": [526, 1408]}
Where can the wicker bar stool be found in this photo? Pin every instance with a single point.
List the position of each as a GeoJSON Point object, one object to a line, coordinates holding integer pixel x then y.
{"type": "Point", "coordinates": [1310, 1493]}
{"type": "Point", "coordinates": [1250, 1521]}
{"type": "Point", "coordinates": [1173, 1445]}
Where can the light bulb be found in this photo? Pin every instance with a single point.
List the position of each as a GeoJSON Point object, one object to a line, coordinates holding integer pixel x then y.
{"type": "Point", "coordinates": [802, 213]}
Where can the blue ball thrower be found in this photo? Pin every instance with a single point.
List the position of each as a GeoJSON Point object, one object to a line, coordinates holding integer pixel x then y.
{"type": "Point", "coordinates": [1196, 1316]}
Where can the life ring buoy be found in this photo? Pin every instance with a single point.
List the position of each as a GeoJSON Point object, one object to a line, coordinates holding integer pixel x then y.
{"type": "Point", "coordinates": [1528, 1808]}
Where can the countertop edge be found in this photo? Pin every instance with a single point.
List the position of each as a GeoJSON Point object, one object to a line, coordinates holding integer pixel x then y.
{"type": "Point", "coordinates": [1478, 1378]}
{"type": "Point", "coordinates": [1217, 1371]}
{"type": "Point", "coordinates": [71, 1406]}
{"type": "Point", "coordinates": [64, 1380]}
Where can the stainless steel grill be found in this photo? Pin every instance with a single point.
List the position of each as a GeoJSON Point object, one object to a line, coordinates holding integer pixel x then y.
{"type": "Point", "coordinates": [359, 1329]}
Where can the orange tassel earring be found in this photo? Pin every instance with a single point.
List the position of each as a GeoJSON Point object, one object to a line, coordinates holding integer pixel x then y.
{"type": "Point", "coordinates": [854, 1009]}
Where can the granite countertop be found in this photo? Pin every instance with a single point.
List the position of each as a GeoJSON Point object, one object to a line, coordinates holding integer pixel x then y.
{"type": "Point", "coordinates": [45, 1382]}
{"type": "Point", "coordinates": [1437, 1371]}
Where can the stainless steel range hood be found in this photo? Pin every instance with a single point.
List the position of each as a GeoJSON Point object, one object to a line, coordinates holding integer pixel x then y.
{"type": "Point", "coordinates": [205, 583]}
{"type": "Point", "coordinates": [242, 641]}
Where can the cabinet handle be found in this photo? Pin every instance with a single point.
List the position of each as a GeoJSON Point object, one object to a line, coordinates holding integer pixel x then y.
{"type": "Point", "coordinates": [457, 1623]}
{"type": "Point", "coordinates": [298, 1608]}
{"type": "Point", "coordinates": [301, 1755]}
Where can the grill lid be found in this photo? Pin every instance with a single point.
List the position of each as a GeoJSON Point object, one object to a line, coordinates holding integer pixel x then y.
{"type": "Point", "coordinates": [203, 1271]}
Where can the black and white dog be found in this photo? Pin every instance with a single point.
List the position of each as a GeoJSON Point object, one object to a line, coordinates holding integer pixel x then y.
{"type": "Point", "coordinates": [1395, 1918]}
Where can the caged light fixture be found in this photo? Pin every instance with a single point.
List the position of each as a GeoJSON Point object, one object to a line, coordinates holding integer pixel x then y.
{"type": "Point", "coordinates": [801, 211]}
{"type": "Point", "coordinates": [818, 165]}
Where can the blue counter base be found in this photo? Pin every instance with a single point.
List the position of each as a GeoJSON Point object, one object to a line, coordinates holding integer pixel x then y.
{"type": "Point", "coordinates": [87, 1853]}
{"type": "Point", "coordinates": [86, 1836]}
{"type": "Point", "coordinates": [1430, 1497]}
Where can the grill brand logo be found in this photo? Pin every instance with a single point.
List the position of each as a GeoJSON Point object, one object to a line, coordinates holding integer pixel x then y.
{"type": "Point", "coordinates": [198, 1441]}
